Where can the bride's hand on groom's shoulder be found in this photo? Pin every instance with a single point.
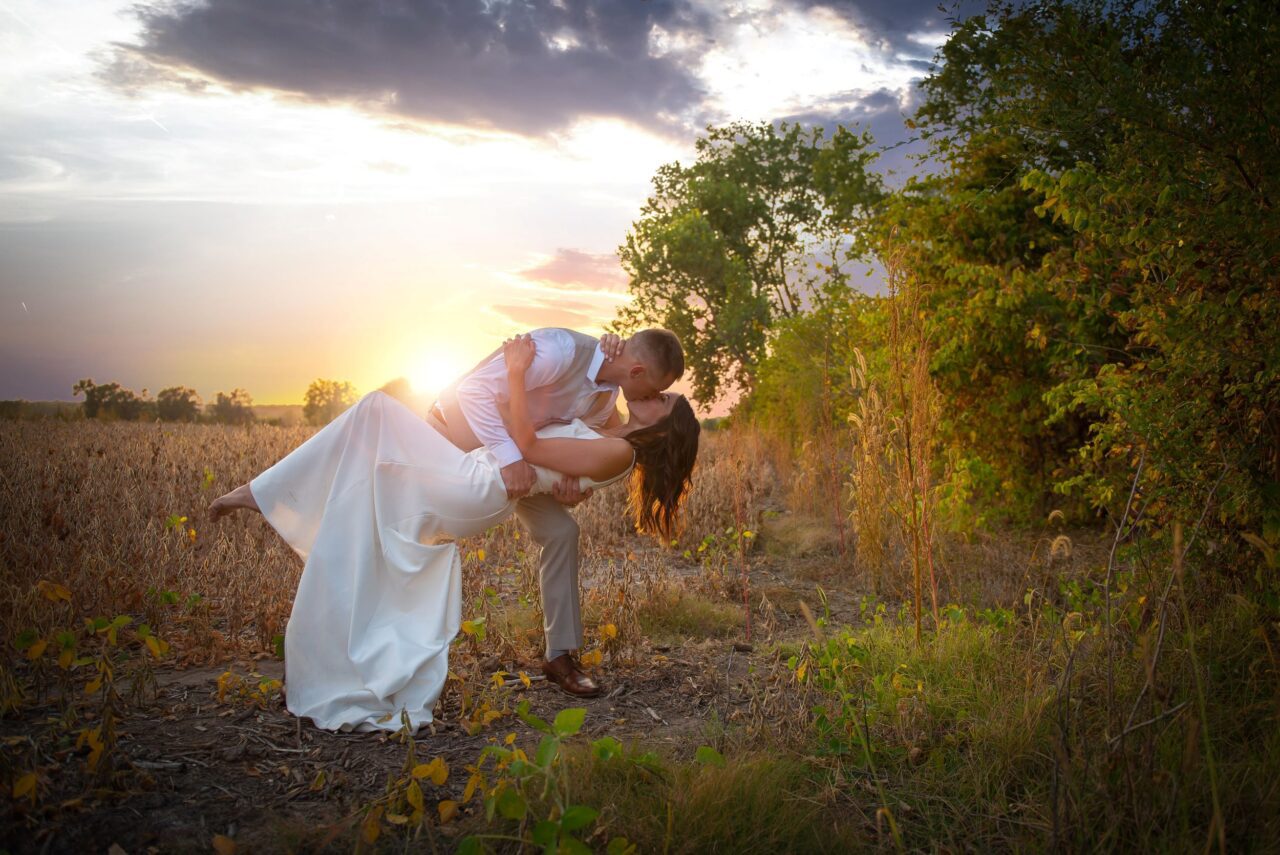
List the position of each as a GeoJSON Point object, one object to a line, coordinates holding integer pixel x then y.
{"type": "Point", "coordinates": [518, 352]}
{"type": "Point", "coordinates": [611, 346]}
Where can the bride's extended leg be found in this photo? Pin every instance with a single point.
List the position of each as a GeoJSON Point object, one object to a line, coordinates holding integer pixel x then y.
{"type": "Point", "coordinates": [240, 497]}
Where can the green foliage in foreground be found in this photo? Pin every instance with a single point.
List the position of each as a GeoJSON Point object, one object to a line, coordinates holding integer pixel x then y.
{"type": "Point", "coordinates": [999, 728]}
{"type": "Point", "coordinates": [1007, 729]}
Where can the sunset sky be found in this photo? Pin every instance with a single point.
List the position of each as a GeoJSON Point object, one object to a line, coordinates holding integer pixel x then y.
{"type": "Point", "coordinates": [258, 193]}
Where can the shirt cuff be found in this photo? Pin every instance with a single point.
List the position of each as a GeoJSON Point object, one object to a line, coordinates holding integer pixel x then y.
{"type": "Point", "coordinates": [507, 452]}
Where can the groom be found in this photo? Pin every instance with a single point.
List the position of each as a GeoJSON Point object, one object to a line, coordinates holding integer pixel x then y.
{"type": "Point", "coordinates": [572, 376]}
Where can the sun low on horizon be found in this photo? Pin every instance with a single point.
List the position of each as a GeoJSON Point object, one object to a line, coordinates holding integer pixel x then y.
{"type": "Point", "coordinates": [434, 371]}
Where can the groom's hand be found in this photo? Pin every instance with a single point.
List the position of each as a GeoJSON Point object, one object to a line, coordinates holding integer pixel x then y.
{"type": "Point", "coordinates": [568, 491]}
{"type": "Point", "coordinates": [519, 479]}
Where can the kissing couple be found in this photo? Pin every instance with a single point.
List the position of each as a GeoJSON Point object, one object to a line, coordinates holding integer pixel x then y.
{"type": "Point", "coordinates": [373, 501]}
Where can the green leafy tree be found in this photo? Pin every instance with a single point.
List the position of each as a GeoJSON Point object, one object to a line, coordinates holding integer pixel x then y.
{"type": "Point", "coordinates": [803, 387]}
{"type": "Point", "coordinates": [233, 409]}
{"type": "Point", "coordinates": [761, 226]}
{"type": "Point", "coordinates": [1112, 189]}
{"type": "Point", "coordinates": [326, 400]}
{"type": "Point", "coordinates": [178, 404]}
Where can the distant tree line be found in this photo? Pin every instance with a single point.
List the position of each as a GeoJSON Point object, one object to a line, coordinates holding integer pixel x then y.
{"type": "Point", "coordinates": [324, 401]}
{"type": "Point", "coordinates": [113, 402]}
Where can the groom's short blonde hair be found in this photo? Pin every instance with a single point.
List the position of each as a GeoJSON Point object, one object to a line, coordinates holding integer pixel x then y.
{"type": "Point", "coordinates": [660, 351]}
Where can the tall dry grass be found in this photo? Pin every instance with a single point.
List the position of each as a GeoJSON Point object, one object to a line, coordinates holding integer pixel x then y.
{"type": "Point", "coordinates": [98, 507]}
{"type": "Point", "coordinates": [871, 482]}
{"type": "Point", "coordinates": [913, 430]}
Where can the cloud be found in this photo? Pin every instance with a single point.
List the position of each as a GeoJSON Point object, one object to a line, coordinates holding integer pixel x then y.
{"type": "Point", "coordinates": [572, 269]}
{"type": "Point", "coordinates": [389, 167]}
{"type": "Point", "coordinates": [547, 316]}
{"type": "Point", "coordinates": [896, 25]}
{"type": "Point", "coordinates": [883, 113]}
{"type": "Point", "coordinates": [530, 67]}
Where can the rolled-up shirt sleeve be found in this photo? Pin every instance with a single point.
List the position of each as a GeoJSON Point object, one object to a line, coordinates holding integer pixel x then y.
{"type": "Point", "coordinates": [478, 394]}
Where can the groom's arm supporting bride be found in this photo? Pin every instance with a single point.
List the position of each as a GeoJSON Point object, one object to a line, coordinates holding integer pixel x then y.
{"type": "Point", "coordinates": [565, 371]}
{"type": "Point", "coordinates": [600, 460]}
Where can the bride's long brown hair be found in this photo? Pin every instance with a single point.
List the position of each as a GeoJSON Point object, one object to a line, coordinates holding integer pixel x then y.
{"type": "Point", "coordinates": [665, 454]}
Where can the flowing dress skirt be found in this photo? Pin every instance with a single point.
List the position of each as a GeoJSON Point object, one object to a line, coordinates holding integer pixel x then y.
{"type": "Point", "coordinates": [369, 502]}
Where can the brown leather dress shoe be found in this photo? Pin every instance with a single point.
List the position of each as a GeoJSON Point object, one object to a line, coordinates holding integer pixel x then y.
{"type": "Point", "coordinates": [565, 672]}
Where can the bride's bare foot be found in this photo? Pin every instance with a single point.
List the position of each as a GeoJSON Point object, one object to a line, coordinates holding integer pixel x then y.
{"type": "Point", "coordinates": [240, 497]}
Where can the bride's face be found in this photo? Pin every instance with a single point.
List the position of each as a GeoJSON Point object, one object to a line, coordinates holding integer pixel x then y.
{"type": "Point", "coordinates": [651, 410]}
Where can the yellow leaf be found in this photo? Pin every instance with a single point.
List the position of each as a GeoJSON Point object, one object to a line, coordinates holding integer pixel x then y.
{"type": "Point", "coordinates": [53, 591]}
{"type": "Point", "coordinates": [436, 770]}
{"type": "Point", "coordinates": [396, 818]}
{"type": "Point", "coordinates": [448, 810]}
{"type": "Point", "coordinates": [93, 687]}
{"type": "Point", "coordinates": [592, 657]}
{"type": "Point", "coordinates": [318, 783]}
{"type": "Point", "coordinates": [609, 630]}
{"type": "Point", "coordinates": [472, 783]}
{"type": "Point", "coordinates": [26, 786]}
{"type": "Point", "coordinates": [385, 718]}
{"type": "Point", "coordinates": [800, 672]}
{"type": "Point", "coordinates": [153, 645]}
{"type": "Point", "coordinates": [468, 627]}
{"type": "Point", "coordinates": [414, 795]}
{"type": "Point", "coordinates": [371, 827]}
{"type": "Point", "coordinates": [490, 715]}
{"type": "Point", "coordinates": [223, 845]}
{"type": "Point", "coordinates": [480, 554]}
{"type": "Point", "coordinates": [34, 651]}
{"type": "Point", "coordinates": [524, 678]}
{"type": "Point", "coordinates": [511, 737]}
{"type": "Point", "coordinates": [65, 658]}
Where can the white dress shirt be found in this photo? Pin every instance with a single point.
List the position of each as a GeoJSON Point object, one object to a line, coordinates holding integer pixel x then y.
{"type": "Point", "coordinates": [553, 391]}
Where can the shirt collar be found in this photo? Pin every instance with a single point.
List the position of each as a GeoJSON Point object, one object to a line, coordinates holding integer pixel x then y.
{"type": "Point", "coordinates": [593, 370]}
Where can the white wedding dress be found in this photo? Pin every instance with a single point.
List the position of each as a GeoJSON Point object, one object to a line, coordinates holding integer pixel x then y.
{"type": "Point", "coordinates": [370, 502]}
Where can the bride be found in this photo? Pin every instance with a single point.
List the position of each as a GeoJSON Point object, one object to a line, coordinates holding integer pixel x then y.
{"type": "Point", "coordinates": [372, 501]}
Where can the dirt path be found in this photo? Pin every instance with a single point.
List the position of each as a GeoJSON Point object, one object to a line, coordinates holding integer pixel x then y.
{"type": "Point", "coordinates": [201, 768]}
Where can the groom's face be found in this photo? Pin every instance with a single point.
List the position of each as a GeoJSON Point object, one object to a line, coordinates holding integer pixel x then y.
{"type": "Point", "coordinates": [639, 385]}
